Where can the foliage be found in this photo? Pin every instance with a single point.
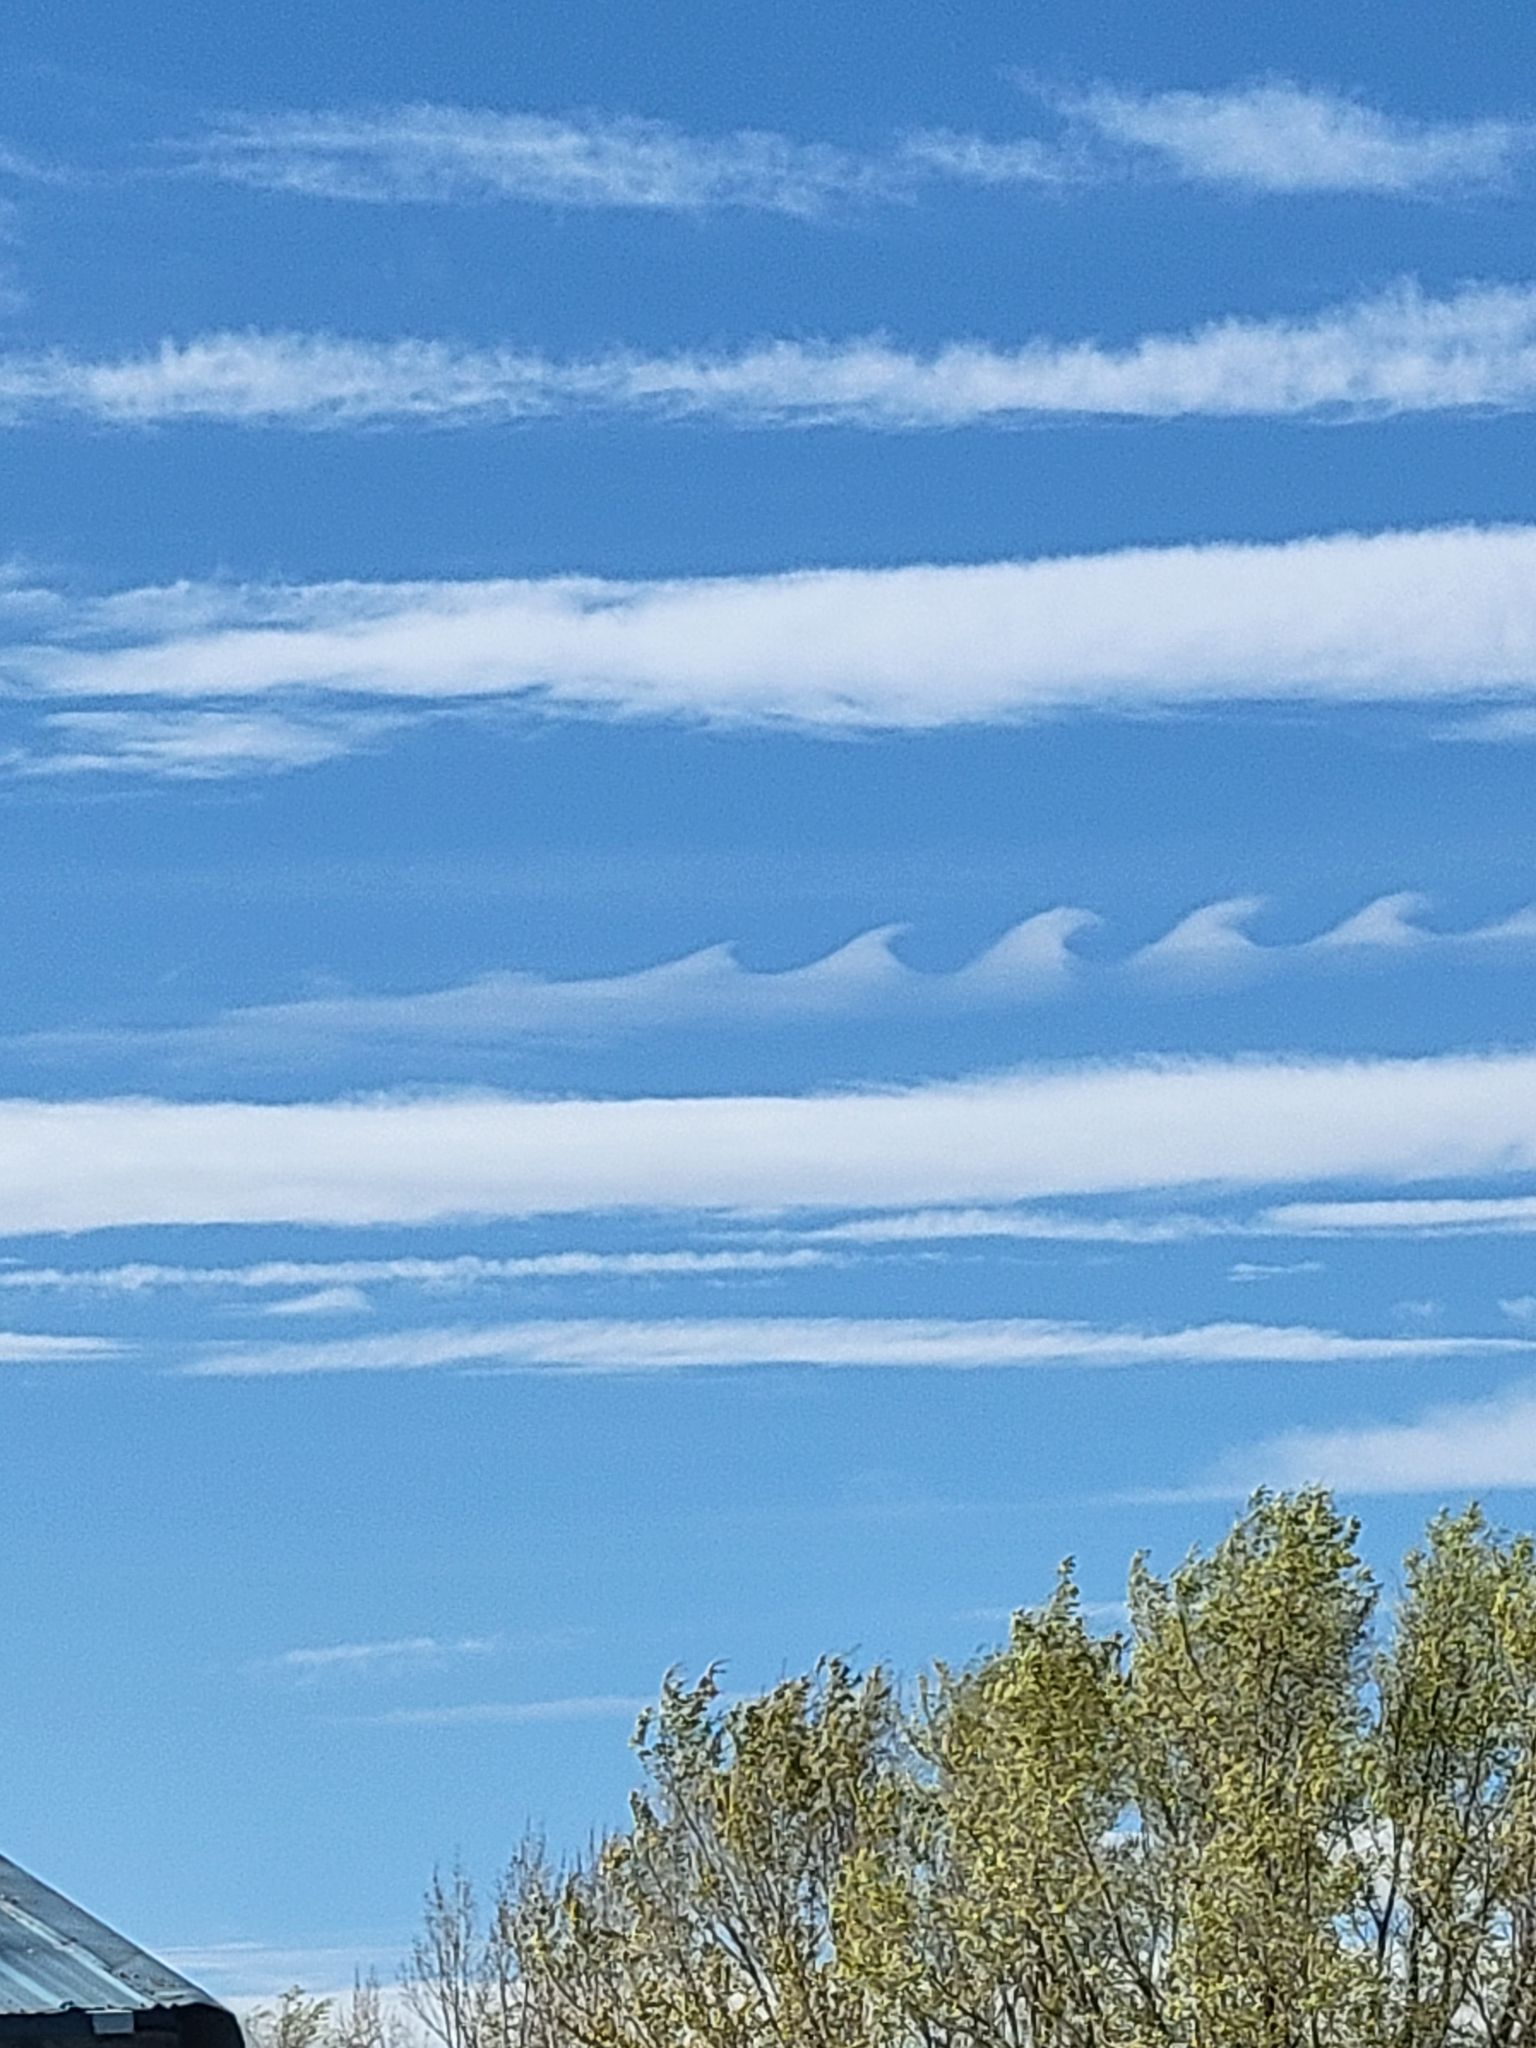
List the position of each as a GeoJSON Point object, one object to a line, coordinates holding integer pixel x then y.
{"type": "Point", "coordinates": [360, 2020]}
{"type": "Point", "coordinates": [1257, 1817]}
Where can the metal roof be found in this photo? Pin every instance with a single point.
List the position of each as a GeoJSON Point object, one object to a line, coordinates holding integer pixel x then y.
{"type": "Point", "coordinates": [54, 1959]}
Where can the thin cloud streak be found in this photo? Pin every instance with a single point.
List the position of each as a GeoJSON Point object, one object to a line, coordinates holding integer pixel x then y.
{"type": "Point", "coordinates": [1440, 617]}
{"type": "Point", "coordinates": [514, 1713]}
{"type": "Point", "coordinates": [587, 1344]}
{"type": "Point", "coordinates": [447, 154]}
{"type": "Point", "coordinates": [20, 1347]}
{"type": "Point", "coordinates": [1411, 1216]}
{"type": "Point", "coordinates": [450, 1275]}
{"type": "Point", "coordinates": [1399, 352]}
{"type": "Point", "coordinates": [82, 1165]}
{"type": "Point", "coordinates": [1043, 1226]}
{"type": "Point", "coordinates": [363, 1657]}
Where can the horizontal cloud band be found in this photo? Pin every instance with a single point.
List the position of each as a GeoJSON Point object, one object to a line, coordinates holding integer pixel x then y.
{"type": "Point", "coordinates": [591, 1345]}
{"type": "Point", "coordinates": [1431, 616]}
{"type": "Point", "coordinates": [1398, 353]}
{"type": "Point", "coordinates": [92, 1164]}
{"type": "Point", "coordinates": [1272, 137]}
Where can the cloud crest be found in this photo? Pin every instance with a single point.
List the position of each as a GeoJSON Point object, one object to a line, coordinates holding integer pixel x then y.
{"type": "Point", "coordinates": [1033, 962]}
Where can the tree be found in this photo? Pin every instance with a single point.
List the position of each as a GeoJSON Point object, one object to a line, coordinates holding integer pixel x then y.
{"type": "Point", "coordinates": [295, 2021]}
{"type": "Point", "coordinates": [1260, 1816]}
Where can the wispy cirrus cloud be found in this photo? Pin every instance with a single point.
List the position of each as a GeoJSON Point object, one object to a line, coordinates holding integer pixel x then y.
{"type": "Point", "coordinates": [1078, 1131]}
{"type": "Point", "coordinates": [427, 153]}
{"type": "Point", "coordinates": [586, 1344]}
{"type": "Point", "coordinates": [390, 1654]}
{"type": "Point", "coordinates": [1281, 137]}
{"type": "Point", "coordinates": [458, 1274]}
{"type": "Point", "coordinates": [1401, 351]}
{"type": "Point", "coordinates": [1445, 617]}
{"type": "Point", "coordinates": [1269, 136]}
{"type": "Point", "coordinates": [516, 1713]}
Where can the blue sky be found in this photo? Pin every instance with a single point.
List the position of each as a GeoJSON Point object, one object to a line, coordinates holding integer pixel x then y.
{"type": "Point", "coordinates": [765, 783]}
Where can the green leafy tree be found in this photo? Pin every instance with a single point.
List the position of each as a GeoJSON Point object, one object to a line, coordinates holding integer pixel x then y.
{"type": "Point", "coordinates": [1268, 1813]}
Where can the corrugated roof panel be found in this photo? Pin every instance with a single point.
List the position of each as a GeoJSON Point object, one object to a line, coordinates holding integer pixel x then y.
{"type": "Point", "coordinates": [56, 1958]}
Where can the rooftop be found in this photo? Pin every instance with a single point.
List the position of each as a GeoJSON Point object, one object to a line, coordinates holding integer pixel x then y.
{"type": "Point", "coordinates": [62, 1972]}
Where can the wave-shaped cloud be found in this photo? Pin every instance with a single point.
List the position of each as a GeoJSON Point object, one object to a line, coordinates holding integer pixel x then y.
{"type": "Point", "coordinates": [1036, 961]}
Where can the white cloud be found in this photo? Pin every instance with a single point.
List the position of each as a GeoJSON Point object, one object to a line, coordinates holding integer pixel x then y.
{"type": "Point", "coordinates": [1432, 616]}
{"type": "Point", "coordinates": [450, 153]}
{"type": "Point", "coordinates": [191, 745]}
{"type": "Point", "coordinates": [1287, 138]}
{"type": "Point", "coordinates": [400, 1650]}
{"type": "Point", "coordinates": [1271, 136]}
{"type": "Point", "coordinates": [515, 1713]}
{"type": "Point", "coordinates": [976, 160]}
{"type": "Point", "coordinates": [1246, 1271]}
{"type": "Point", "coordinates": [18, 1347]}
{"type": "Point", "coordinates": [20, 164]}
{"type": "Point", "coordinates": [342, 1276]}
{"type": "Point", "coordinates": [1399, 352]}
{"type": "Point", "coordinates": [1472, 1446]}
{"type": "Point", "coordinates": [1414, 1216]}
{"type": "Point", "coordinates": [1034, 961]}
{"type": "Point", "coordinates": [938, 1226]}
{"type": "Point", "coordinates": [250, 1974]}
{"type": "Point", "coordinates": [325, 1301]}
{"type": "Point", "coordinates": [665, 1345]}
{"type": "Point", "coordinates": [78, 1165]}
{"type": "Point", "coordinates": [1493, 727]}
{"type": "Point", "coordinates": [1030, 962]}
